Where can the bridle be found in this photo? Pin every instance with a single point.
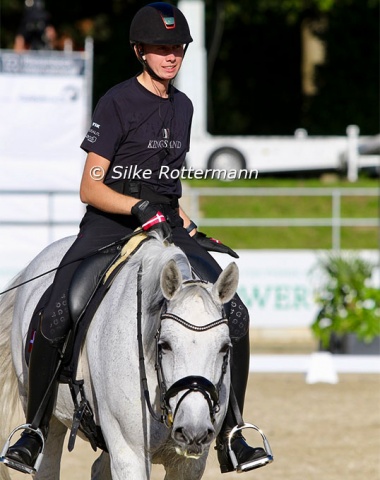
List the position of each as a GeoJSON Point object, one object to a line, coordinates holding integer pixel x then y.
{"type": "Point", "coordinates": [189, 384]}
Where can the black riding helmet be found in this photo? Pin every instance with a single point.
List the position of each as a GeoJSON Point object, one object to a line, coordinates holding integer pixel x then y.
{"type": "Point", "coordinates": [159, 24]}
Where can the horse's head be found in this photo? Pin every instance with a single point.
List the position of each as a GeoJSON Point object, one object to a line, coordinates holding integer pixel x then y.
{"type": "Point", "coordinates": [193, 353]}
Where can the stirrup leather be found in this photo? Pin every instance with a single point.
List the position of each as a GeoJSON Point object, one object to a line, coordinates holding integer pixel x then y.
{"type": "Point", "coordinates": [21, 467]}
{"type": "Point", "coordinates": [252, 464]}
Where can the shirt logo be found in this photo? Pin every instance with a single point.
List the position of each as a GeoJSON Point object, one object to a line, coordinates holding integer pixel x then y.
{"type": "Point", "coordinates": [91, 139]}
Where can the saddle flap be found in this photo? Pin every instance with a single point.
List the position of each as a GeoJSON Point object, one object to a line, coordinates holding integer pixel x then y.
{"type": "Point", "coordinates": [85, 281]}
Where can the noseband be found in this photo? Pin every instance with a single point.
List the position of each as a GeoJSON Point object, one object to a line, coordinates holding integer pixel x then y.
{"type": "Point", "coordinates": [189, 384]}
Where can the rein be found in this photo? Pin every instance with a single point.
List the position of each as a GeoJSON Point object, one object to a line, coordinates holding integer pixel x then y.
{"type": "Point", "coordinates": [101, 249]}
{"type": "Point", "coordinates": [144, 380]}
{"type": "Point", "coordinates": [189, 384]}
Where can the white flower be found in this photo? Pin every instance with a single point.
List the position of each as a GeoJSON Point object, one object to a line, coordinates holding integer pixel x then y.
{"type": "Point", "coordinates": [368, 304]}
{"type": "Point", "coordinates": [325, 322]}
{"type": "Point", "coordinates": [342, 312]}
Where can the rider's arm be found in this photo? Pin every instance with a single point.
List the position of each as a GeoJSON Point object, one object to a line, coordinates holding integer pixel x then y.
{"type": "Point", "coordinates": [94, 192]}
{"type": "Point", "coordinates": [187, 222]}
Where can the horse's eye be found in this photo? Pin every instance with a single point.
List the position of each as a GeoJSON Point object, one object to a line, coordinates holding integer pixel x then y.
{"type": "Point", "coordinates": [165, 346]}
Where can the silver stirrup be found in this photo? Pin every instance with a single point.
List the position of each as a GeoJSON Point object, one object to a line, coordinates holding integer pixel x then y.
{"type": "Point", "coordinates": [21, 467]}
{"type": "Point", "coordinates": [251, 464]}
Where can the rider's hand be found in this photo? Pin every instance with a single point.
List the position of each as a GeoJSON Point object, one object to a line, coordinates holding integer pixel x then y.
{"type": "Point", "coordinates": [213, 245]}
{"type": "Point", "coordinates": [151, 218]}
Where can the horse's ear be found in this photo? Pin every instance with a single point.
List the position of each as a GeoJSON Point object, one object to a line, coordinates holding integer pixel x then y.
{"type": "Point", "coordinates": [226, 285]}
{"type": "Point", "coordinates": [171, 279]}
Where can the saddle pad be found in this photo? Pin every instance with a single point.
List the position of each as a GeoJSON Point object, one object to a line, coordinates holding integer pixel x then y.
{"type": "Point", "coordinates": [127, 250]}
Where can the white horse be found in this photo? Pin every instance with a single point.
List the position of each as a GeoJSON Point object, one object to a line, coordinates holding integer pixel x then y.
{"type": "Point", "coordinates": [183, 330]}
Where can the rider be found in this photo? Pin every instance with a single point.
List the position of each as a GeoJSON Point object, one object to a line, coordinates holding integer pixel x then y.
{"type": "Point", "coordinates": [138, 126]}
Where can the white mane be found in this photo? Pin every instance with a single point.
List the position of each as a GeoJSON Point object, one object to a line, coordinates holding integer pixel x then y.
{"type": "Point", "coordinates": [153, 256]}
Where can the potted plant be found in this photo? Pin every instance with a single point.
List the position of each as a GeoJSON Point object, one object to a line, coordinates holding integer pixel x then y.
{"type": "Point", "coordinates": [349, 317]}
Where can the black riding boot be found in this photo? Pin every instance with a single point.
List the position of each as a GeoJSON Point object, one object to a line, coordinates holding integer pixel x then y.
{"type": "Point", "coordinates": [239, 377]}
{"type": "Point", "coordinates": [43, 363]}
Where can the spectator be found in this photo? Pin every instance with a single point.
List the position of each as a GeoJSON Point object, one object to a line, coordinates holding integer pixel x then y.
{"type": "Point", "coordinates": [36, 31]}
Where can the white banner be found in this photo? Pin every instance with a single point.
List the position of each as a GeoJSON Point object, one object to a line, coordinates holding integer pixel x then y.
{"type": "Point", "coordinates": [44, 115]}
{"type": "Point", "coordinates": [277, 285]}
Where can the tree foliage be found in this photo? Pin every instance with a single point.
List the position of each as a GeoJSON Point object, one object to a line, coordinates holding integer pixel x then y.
{"type": "Point", "coordinates": [255, 55]}
{"type": "Point", "coordinates": [349, 80]}
{"type": "Point", "coordinates": [256, 82]}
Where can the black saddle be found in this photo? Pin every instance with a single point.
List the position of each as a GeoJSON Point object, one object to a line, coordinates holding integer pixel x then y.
{"type": "Point", "coordinates": [85, 293]}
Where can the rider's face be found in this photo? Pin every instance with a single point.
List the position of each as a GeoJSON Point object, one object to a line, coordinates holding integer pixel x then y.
{"type": "Point", "coordinates": [164, 60]}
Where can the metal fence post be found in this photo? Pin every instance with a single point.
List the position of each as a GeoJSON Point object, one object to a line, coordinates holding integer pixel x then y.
{"type": "Point", "coordinates": [336, 226]}
{"type": "Point", "coordinates": [352, 152]}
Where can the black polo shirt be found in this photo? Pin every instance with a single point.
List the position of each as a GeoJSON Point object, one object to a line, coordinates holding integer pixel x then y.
{"type": "Point", "coordinates": [144, 136]}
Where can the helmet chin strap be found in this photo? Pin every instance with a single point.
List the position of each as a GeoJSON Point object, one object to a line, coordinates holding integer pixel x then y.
{"type": "Point", "coordinates": [153, 75]}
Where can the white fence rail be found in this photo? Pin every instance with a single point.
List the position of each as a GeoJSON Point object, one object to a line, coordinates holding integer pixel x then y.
{"type": "Point", "coordinates": [335, 221]}
{"type": "Point", "coordinates": [53, 209]}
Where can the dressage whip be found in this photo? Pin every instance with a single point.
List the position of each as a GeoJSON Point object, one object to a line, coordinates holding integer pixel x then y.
{"type": "Point", "coordinates": [116, 242]}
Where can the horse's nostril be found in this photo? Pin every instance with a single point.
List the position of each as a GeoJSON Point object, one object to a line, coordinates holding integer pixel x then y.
{"type": "Point", "coordinates": [180, 436]}
{"type": "Point", "coordinates": [210, 434]}
{"type": "Point", "coordinates": [206, 438]}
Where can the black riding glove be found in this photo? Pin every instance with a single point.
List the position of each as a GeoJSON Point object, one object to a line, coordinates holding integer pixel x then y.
{"type": "Point", "coordinates": [151, 218]}
{"type": "Point", "coordinates": [213, 245]}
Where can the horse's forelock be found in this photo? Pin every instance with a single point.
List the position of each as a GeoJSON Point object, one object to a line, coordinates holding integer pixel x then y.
{"type": "Point", "coordinates": [201, 290]}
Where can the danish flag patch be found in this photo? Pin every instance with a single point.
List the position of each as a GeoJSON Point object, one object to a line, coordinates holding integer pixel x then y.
{"type": "Point", "coordinates": [158, 218]}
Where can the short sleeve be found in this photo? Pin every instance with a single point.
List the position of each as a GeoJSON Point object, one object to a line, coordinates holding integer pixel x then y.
{"type": "Point", "coordinates": [106, 131]}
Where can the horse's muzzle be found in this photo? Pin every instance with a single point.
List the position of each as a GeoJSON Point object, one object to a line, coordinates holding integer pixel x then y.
{"type": "Point", "coordinates": [190, 439]}
{"type": "Point", "coordinates": [191, 444]}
